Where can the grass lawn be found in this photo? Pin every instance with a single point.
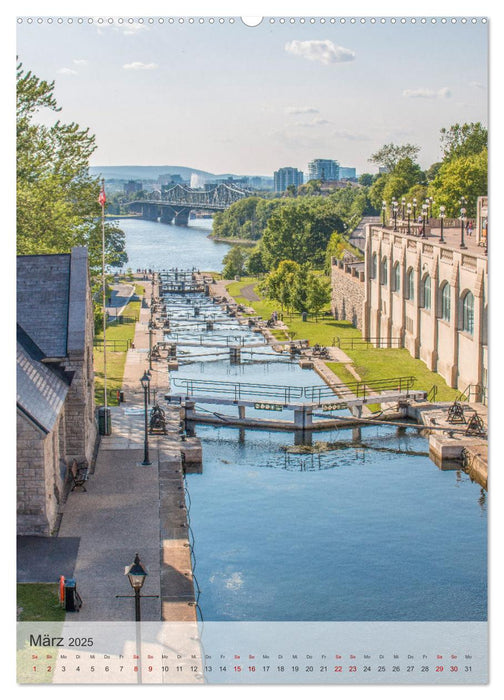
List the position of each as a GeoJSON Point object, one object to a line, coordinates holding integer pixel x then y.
{"type": "Point", "coordinates": [38, 601]}
{"type": "Point", "coordinates": [115, 359]}
{"type": "Point", "coordinates": [370, 364]}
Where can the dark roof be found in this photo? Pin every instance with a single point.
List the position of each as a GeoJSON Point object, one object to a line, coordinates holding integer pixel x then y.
{"type": "Point", "coordinates": [43, 289]}
{"type": "Point", "coordinates": [41, 389]}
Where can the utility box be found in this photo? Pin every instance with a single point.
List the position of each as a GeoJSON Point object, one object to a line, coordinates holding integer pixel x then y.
{"type": "Point", "coordinates": [104, 421]}
{"type": "Point", "coordinates": [73, 601]}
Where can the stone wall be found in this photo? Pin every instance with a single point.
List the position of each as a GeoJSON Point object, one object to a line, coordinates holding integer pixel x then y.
{"type": "Point", "coordinates": [347, 299]}
{"type": "Point", "coordinates": [40, 477]}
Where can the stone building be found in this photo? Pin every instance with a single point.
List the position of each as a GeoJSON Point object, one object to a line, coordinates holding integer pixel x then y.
{"type": "Point", "coordinates": [431, 297]}
{"type": "Point", "coordinates": [55, 382]}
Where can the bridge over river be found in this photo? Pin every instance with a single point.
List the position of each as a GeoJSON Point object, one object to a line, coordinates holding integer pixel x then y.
{"type": "Point", "coordinates": [174, 204]}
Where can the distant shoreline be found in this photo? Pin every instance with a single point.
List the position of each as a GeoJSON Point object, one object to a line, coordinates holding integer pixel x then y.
{"type": "Point", "coordinates": [232, 241]}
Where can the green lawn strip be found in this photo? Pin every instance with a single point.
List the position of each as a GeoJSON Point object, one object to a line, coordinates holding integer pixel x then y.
{"type": "Point", "coordinates": [38, 601]}
{"type": "Point", "coordinates": [371, 364]}
{"type": "Point", "coordinates": [115, 359]}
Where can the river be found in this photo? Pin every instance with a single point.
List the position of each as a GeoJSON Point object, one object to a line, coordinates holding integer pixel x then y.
{"type": "Point", "coordinates": [362, 532]}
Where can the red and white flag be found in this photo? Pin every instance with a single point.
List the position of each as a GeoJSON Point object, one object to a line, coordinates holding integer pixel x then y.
{"type": "Point", "coordinates": [102, 198]}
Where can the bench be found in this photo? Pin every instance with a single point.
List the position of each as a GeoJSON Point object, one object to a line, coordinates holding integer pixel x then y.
{"type": "Point", "coordinates": [78, 475]}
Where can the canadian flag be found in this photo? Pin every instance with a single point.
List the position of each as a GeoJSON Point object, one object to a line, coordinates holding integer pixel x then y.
{"type": "Point", "coordinates": [102, 198]}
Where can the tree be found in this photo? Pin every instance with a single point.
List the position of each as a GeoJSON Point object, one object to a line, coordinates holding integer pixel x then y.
{"type": "Point", "coordinates": [319, 293]}
{"type": "Point", "coordinates": [299, 230]}
{"type": "Point", "coordinates": [467, 177]}
{"type": "Point", "coordinates": [255, 264]}
{"type": "Point", "coordinates": [299, 296]}
{"type": "Point", "coordinates": [57, 199]}
{"type": "Point", "coordinates": [366, 179]}
{"type": "Point", "coordinates": [389, 155]}
{"type": "Point", "coordinates": [463, 140]}
{"type": "Point", "coordinates": [234, 263]}
{"type": "Point", "coordinates": [279, 284]}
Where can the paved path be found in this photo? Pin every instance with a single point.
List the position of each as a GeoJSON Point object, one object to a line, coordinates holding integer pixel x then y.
{"type": "Point", "coordinates": [129, 508]}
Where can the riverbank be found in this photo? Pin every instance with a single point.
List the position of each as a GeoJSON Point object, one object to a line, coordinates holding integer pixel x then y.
{"type": "Point", "coordinates": [233, 241]}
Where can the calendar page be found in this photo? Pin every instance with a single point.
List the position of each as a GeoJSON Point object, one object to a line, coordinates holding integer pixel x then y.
{"type": "Point", "coordinates": [252, 349]}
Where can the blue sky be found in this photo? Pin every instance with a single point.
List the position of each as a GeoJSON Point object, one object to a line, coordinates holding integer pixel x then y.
{"type": "Point", "coordinates": [231, 98]}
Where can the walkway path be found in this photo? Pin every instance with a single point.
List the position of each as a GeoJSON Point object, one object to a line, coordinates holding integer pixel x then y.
{"type": "Point", "coordinates": [129, 508]}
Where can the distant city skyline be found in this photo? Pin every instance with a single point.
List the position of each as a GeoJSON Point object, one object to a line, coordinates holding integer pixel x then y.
{"type": "Point", "coordinates": [227, 98]}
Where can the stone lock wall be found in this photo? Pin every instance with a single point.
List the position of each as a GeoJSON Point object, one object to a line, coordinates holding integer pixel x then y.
{"type": "Point", "coordinates": [348, 288]}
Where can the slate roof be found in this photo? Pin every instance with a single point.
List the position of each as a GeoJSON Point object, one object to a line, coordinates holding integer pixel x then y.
{"type": "Point", "coordinates": [41, 389]}
{"type": "Point", "coordinates": [43, 290]}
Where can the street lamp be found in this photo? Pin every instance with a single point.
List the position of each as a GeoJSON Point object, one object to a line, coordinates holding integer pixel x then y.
{"type": "Point", "coordinates": [136, 575]}
{"type": "Point", "coordinates": [414, 208]}
{"type": "Point", "coordinates": [424, 218]}
{"type": "Point", "coordinates": [145, 382]}
{"type": "Point", "coordinates": [403, 202]}
{"type": "Point", "coordinates": [462, 222]}
{"type": "Point", "coordinates": [442, 210]}
{"type": "Point", "coordinates": [409, 218]}
{"type": "Point", "coordinates": [150, 344]}
{"type": "Point", "coordinates": [394, 209]}
{"type": "Point", "coordinates": [384, 211]}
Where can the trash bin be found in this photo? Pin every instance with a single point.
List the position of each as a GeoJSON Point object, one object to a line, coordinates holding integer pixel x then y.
{"type": "Point", "coordinates": [304, 316]}
{"type": "Point", "coordinates": [121, 397]}
{"type": "Point", "coordinates": [73, 601]}
{"type": "Point", "coordinates": [104, 421]}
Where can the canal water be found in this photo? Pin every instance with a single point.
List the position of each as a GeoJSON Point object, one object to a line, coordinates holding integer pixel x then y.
{"type": "Point", "coordinates": [368, 530]}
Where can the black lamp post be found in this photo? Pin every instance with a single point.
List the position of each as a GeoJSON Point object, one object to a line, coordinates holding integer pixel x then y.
{"type": "Point", "coordinates": [145, 382]}
{"type": "Point", "coordinates": [462, 223]}
{"type": "Point", "coordinates": [414, 208]}
{"type": "Point", "coordinates": [409, 218]}
{"type": "Point", "coordinates": [150, 344]}
{"type": "Point", "coordinates": [424, 219]}
{"type": "Point", "coordinates": [394, 209]}
{"type": "Point", "coordinates": [384, 212]}
{"type": "Point", "coordinates": [442, 210]}
{"type": "Point", "coordinates": [136, 575]}
{"type": "Point", "coordinates": [431, 204]}
{"type": "Point", "coordinates": [403, 203]}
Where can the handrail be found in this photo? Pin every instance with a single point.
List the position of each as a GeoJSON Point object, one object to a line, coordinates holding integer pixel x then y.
{"type": "Point", "coordinates": [360, 389]}
{"type": "Point", "coordinates": [380, 340]}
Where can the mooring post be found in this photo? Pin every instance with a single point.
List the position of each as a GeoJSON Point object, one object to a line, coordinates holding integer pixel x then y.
{"type": "Point", "coordinates": [356, 410]}
{"type": "Point", "coordinates": [241, 412]}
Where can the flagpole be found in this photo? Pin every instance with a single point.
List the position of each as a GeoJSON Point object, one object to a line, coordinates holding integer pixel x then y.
{"type": "Point", "coordinates": [102, 202]}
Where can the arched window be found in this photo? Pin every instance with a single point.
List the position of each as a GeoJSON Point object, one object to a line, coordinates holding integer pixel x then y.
{"type": "Point", "coordinates": [374, 267]}
{"type": "Point", "coordinates": [410, 284]}
{"type": "Point", "coordinates": [384, 271]}
{"type": "Point", "coordinates": [397, 277]}
{"type": "Point", "coordinates": [426, 292]}
{"type": "Point", "coordinates": [468, 313]}
{"type": "Point", "coordinates": [445, 301]}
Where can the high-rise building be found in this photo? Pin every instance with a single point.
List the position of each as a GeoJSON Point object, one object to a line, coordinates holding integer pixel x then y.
{"type": "Point", "coordinates": [283, 177]}
{"type": "Point", "coordinates": [347, 173]}
{"type": "Point", "coordinates": [323, 169]}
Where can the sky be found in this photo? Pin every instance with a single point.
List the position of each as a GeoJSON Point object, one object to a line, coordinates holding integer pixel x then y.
{"type": "Point", "coordinates": [228, 98]}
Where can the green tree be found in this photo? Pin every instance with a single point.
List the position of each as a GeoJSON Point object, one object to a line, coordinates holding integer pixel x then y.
{"type": "Point", "coordinates": [279, 283]}
{"type": "Point", "coordinates": [319, 293]}
{"type": "Point", "coordinates": [390, 154]}
{"type": "Point", "coordinates": [300, 288]}
{"type": "Point", "coordinates": [57, 199]}
{"type": "Point", "coordinates": [300, 230]}
{"type": "Point", "coordinates": [467, 177]}
{"type": "Point", "coordinates": [255, 264]}
{"type": "Point", "coordinates": [463, 140]}
{"type": "Point", "coordinates": [366, 179]}
{"type": "Point", "coordinates": [234, 263]}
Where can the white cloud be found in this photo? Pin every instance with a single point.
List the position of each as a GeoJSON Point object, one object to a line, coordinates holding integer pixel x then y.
{"type": "Point", "coordinates": [349, 136]}
{"type": "Point", "coordinates": [324, 51]}
{"type": "Point", "coordinates": [138, 65]}
{"type": "Point", "coordinates": [302, 110]}
{"type": "Point", "coordinates": [80, 61]}
{"type": "Point", "coordinates": [427, 94]}
{"type": "Point", "coordinates": [314, 122]}
{"type": "Point", "coordinates": [67, 71]}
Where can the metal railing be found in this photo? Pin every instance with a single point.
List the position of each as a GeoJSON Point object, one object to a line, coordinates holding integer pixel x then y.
{"type": "Point", "coordinates": [360, 389]}
{"type": "Point", "coordinates": [377, 342]}
{"type": "Point", "coordinates": [238, 390]}
{"type": "Point", "coordinates": [473, 392]}
{"type": "Point", "coordinates": [121, 345]}
{"type": "Point", "coordinates": [315, 394]}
